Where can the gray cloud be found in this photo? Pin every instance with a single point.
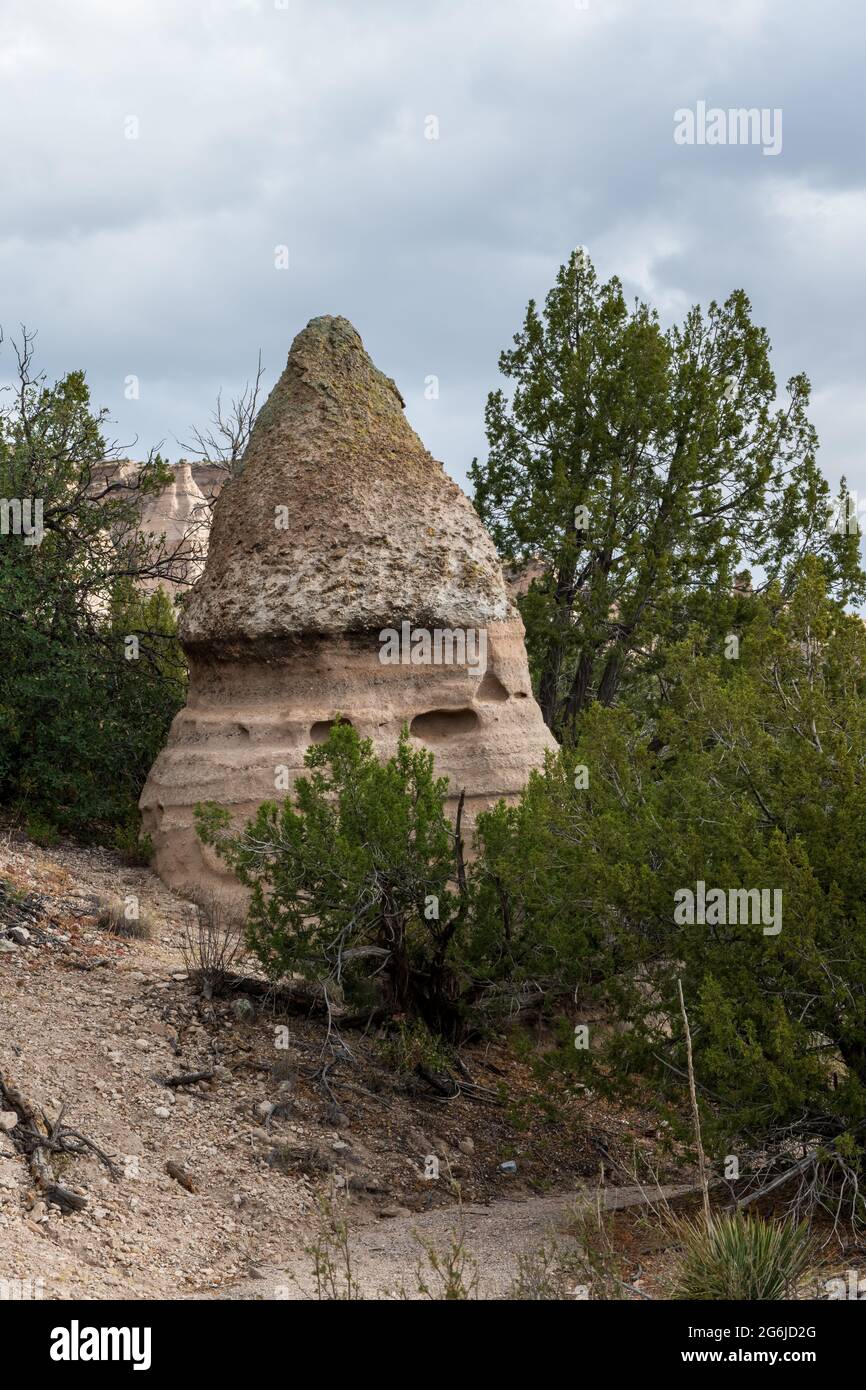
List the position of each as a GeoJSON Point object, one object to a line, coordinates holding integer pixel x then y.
{"type": "Point", "coordinates": [304, 126]}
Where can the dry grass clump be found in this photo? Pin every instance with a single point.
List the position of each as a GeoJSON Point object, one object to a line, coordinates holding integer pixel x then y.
{"type": "Point", "coordinates": [213, 944]}
{"type": "Point", "coordinates": [124, 919]}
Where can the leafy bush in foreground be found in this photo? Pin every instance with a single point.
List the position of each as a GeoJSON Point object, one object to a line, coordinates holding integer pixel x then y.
{"type": "Point", "coordinates": [359, 874]}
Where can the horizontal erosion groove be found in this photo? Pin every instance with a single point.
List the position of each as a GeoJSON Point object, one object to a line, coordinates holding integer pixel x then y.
{"type": "Point", "coordinates": [216, 656]}
{"type": "Point", "coordinates": [438, 725]}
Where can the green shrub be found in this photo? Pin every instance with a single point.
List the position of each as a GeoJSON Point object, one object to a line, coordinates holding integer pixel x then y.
{"type": "Point", "coordinates": [40, 830]}
{"type": "Point", "coordinates": [358, 875]}
{"type": "Point", "coordinates": [751, 777]}
{"type": "Point", "coordinates": [412, 1045]}
{"type": "Point", "coordinates": [740, 1258]}
{"type": "Point", "coordinates": [134, 848]}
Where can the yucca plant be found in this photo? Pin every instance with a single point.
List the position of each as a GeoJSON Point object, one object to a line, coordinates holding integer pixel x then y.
{"type": "Point", "coordinates": [740, 1257]}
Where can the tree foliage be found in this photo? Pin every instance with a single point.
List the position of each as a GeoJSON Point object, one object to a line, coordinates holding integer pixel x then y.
{"type": "Point", "coordinates": [752, 776]}
{"type": "Point", "coordinates": [638, 469]}
{"type": "Point", "coordinates": [358, 876]}
{"type": "Point", "coordinates": [80, 723]}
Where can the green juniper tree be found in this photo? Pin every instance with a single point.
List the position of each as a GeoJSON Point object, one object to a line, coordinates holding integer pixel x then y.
{"type": "Point", "coordinates": [638, 470]}
{"type": "Point", "coordinates": [358, 875]}
{"type": "Point", "coordinates": [751, 777]}
{"type": "Point", "coordinates": [80, 722]}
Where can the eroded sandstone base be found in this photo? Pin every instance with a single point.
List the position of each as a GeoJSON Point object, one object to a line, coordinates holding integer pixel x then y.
{"type": "Point", "coordinates": [251, 716]}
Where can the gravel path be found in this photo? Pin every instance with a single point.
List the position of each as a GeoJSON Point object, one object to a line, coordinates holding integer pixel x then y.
{"type": "Point", "coordinates": [97, 1022]}
{"type": "Point", "coordinates": [386, 1255]}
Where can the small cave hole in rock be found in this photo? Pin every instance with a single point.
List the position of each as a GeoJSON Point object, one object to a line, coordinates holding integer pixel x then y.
{"type": "Point", "coordinates": [491, 688]}
{"type": "Point", "coordinates": [320, 730]}
{"type": "Point", "coordinates": [439, 724]}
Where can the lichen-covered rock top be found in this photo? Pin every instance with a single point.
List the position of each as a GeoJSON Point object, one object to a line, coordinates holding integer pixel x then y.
{"type": "Point", "coordinates": [340, 520]}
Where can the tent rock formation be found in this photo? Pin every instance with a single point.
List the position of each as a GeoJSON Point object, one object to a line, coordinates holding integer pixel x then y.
{"type": "Point", "coordinates": [339, 526]}
{"type": "Point", "coordinates": [179, 520]}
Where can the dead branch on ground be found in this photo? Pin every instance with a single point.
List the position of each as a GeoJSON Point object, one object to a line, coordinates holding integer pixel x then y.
{"type": "Point", "coordinates": [36, 1138]}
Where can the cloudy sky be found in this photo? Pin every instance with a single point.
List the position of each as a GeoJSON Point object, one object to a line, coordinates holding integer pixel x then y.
{"type": "Point", "coordinates": [304, 124]}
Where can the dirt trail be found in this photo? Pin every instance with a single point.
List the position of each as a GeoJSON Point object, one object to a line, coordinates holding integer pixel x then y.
{"type": "Point", "coordinates": [386, 1255]}
{"type": "Point", "coordinates": [97, 1022]}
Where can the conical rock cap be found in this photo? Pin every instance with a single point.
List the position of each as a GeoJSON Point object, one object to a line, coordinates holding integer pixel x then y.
{"type": "Point", "coordinates": [340, 520]}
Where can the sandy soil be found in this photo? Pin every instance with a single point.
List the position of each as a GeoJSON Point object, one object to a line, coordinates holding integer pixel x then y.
{"type": "Point", "coordinates": [390, 1260]}
{"type": "Point", "coordinates": [96, 1023]}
